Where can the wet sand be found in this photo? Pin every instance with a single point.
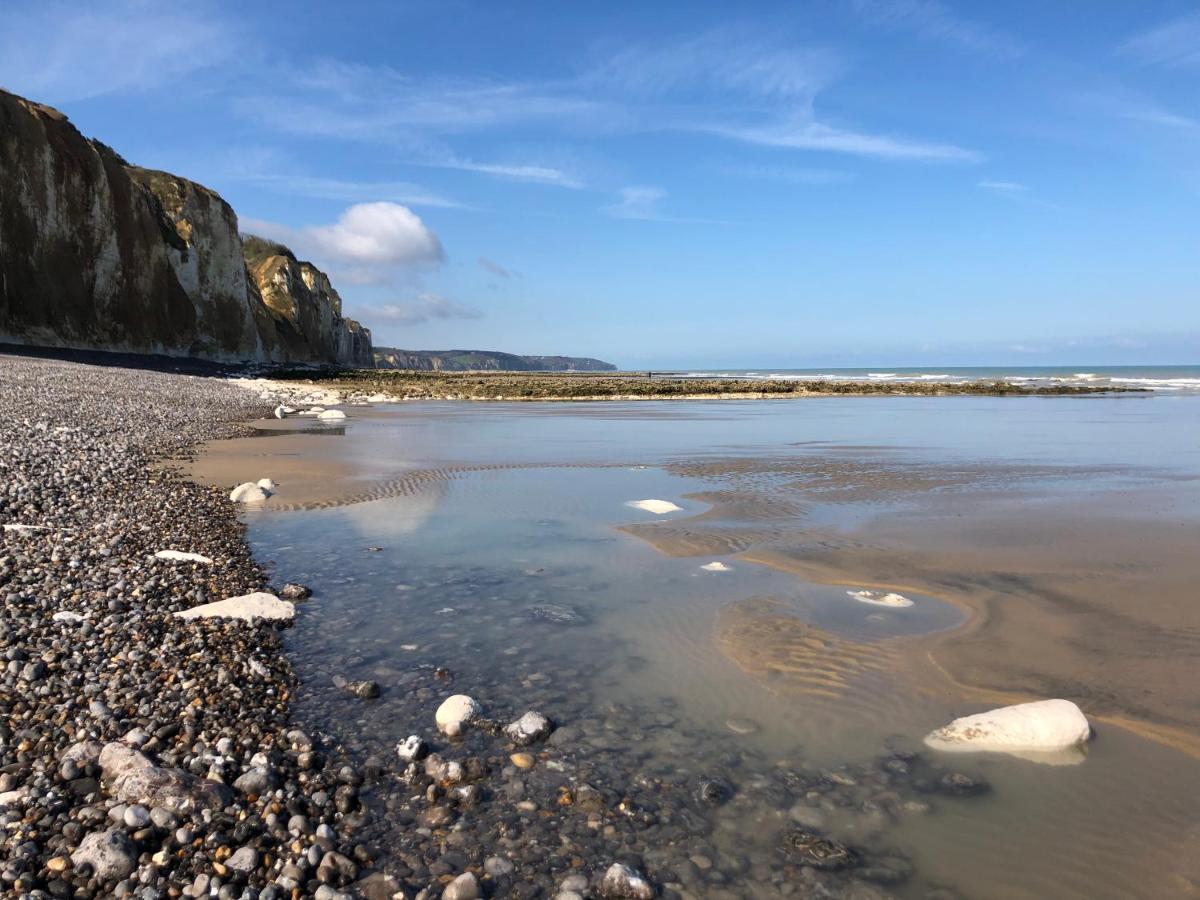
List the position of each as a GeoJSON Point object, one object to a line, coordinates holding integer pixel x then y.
{"type": "Point", "coordinates": [1088, 597]}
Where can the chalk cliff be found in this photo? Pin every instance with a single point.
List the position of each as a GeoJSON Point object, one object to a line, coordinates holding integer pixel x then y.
{"type": "Point", "coordinates": [96, 253]}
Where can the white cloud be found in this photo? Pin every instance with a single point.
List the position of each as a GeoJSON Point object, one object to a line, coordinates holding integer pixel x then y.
{"type": "Point", "coordinates": [380, 232]}
{"type": "Point", "coordinates": [66, 51]}
{"type": "Point", "coordinates": [366, 234]}
{"type": "Point", "coordinates": [1174, 43]}
{"type": "Point", "coordinates": [426, 307]}
{"type": "Point", "coordinates": [934, 21]}
{"type": "Point", "coordinates": [637, 203]}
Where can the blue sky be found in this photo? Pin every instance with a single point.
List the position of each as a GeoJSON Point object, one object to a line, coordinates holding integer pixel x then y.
{"type": "Point", "coordinates": [868, 182]}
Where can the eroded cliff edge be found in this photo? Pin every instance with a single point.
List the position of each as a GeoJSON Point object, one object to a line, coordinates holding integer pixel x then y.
{"type": "Point", "coordinates": [96, 253]}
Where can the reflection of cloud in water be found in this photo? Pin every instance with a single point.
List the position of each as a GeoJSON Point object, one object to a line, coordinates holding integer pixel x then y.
{"type": "Point", "coordinates": [396, 515]}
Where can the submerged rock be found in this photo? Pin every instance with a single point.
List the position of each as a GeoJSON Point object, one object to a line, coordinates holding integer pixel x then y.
{"type": "Point", "coordinates": [1043, 726]}
{"type": "Point", "coordinates": [331, 415]}
{"type": "Point", "coordinates": [658, 507]}
{"type": "Point", "coordinates": [556, 613]}
{"type": "Point", "coordinates": [807, 848]}
{"type": "Point", "coordinates": [293, 591]}
{"type": "Point", "coordinates": [411, 748]}
{"type": "Point", "coordinates": [529, 729]}
{"type": "Point", "coordinates": [455, 713]}
{"type": "Point", "coordinates": [620, 882]}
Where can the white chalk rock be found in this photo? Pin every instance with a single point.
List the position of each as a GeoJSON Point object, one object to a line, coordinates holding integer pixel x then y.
{"type": "Point", "coordinates": [456, 712]}
{"type": "Point", "coordinates": [248, 492]}
{"type": "Point", "coordinates": [1042, 727]}
{"type": "Point", "coordinates": [267, 484]}
{"type": "Point", "coordinates": [65, 615]}
{"type": "Point", "coordinates": [180, 556]}
{"type": "Point", "coordinates": [331, 415]}
{"type": "Point", "coordinates": [716, 566]}
{"type": "Point", "coordinates": [258, 605]}
{"type": "Point", "coordinates": [881, 598]}
{"type": "Point", "coordinates": [281, 412]}
{"type": "Point", "coordinates": [658, 507]}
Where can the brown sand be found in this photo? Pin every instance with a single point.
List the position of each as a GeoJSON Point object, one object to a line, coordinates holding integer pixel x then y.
{"type": "Point", "coordinates": [1088, 595]}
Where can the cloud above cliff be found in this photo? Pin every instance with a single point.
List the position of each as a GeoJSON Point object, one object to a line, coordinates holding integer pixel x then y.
{"type": "Point", "coordinates": [366, 234]}
{"type": "Point", "coordinates": [424, 308]}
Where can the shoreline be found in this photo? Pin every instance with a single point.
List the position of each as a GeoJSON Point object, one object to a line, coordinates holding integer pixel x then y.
{"type": "Point", "coordinates": [139, 749]}
{"type": "Point", "coordinates": [367, 385]}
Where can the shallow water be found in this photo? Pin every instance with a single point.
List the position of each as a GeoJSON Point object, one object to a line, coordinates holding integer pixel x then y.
{"type": "Point", "coordinates": [467, 517]}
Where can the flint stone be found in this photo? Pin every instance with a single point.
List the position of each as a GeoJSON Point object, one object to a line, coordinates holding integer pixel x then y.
{"type": "Point", "coordinates": [529, 729]}
{"type": "Point", "coordinates": [464, 887]}
{"type": "Point", "coordinates": [456, 712]}
{"type": "Point", "coordinates": [258, 605]}
{"type": "Point", "coordinates": [110, 854]}
{"type": "Point", "coordinates": [623, 883]}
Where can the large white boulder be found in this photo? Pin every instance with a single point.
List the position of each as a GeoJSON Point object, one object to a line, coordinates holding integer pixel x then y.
{"type": "Point", "coordinates": [658, 507]}
{"type": "Point", "coordinates": [455, 712]}
{"type": "Point", "coordinates": [258, 605]}
{"type": "Point", "coordinates": [1046, 726]}
{"type": "Point", "coordinates": [249, 492]}
{"type": "Point", "coordinates": [331, 415]}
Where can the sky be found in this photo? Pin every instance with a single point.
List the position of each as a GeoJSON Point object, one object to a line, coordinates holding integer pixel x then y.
{"type": "Point", "coordinates": [867, 182]}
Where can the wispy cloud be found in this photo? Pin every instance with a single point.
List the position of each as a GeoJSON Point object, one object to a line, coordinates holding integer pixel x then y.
{"type": "Point", "coordinates": [741, 86]}
{"type": "Point", "coordinates": [1016, 191]}
{"type": "Point", "coordinates": [793, 174]}
{"type": "Point", "coordinates": [513, 172]}
{"type": "Point", "coordinates": [366, 234]}
{"type": "Point", "coordinates": [934, 21]}
{"type": "Point", "coordinates": [637, 203]}
{"type": "Point", "coordinates": [643, 203]}
{"type": "Point", "coordinates": [804, 133]}
{"type": "Point", "coordinates": [716, 63]}
{"type": "Point", "coordinates": [58, 52]}
{"type": "Point", "coordinates": [494, 267]}
{"type": "Point", "coordinates": [1004, 187]}
{"type": "Point", "coordinates": [425, 307]}
{"type": "Point", "coordinates": [402, 192]}
{"type": "Point", "coordinates": [1174, 43]}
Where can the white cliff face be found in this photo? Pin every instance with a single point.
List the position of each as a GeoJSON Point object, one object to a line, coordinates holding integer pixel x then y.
{"type": "Point", "coordinates": [99, 254]}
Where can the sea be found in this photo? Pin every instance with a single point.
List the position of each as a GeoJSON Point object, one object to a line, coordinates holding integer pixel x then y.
{"type": "Point", "coordinates": [1156, 378]}
{"type": "Point", "coordinates": [723, 686]}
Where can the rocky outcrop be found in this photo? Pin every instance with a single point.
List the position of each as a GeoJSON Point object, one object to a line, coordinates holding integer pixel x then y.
{"type": "Point", "coordinates": [483, 361]}
{"type": "Point", "coordinates": [99, 254]}
{"type": "Point", "coordinates": [302, 309]}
